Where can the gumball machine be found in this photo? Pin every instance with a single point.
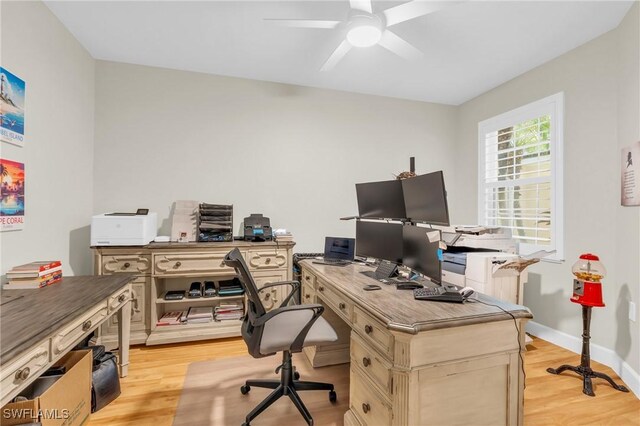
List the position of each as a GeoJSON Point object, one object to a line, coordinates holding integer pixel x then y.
{"type": "Point", "coordinates": [587, 291]}
{"type": "Point", "coordinates": [587, 288]}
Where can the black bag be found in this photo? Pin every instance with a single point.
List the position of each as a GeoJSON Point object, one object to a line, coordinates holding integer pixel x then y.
{"type": "Point", "coordinates": [105, 383]}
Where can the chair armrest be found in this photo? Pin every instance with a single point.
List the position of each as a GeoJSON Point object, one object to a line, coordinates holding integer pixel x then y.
{"type": "Point", "coordinates": [298, 342]}
{"type": "Point", "coordinates": [295, 287]}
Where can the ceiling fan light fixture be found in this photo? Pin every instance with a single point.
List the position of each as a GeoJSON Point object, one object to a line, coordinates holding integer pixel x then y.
{"type": "Point", "coordinates": [364, 35]}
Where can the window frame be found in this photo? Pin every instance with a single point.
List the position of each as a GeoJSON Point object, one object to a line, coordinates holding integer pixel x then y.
{"type": "Point", "coordinates": [554, 107]}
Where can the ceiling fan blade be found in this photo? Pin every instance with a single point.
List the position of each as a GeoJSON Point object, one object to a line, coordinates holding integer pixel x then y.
{"type": "Point", "coordinates": [413, 9]}
{"type": "Point", "coordinates": [364, 5]}
{"type": "Point", "coordinates": [336, 56]}
{"type": "Point", "coordinates": [304, 23]}
{"type": "Point", "coordinates": [399, 46]}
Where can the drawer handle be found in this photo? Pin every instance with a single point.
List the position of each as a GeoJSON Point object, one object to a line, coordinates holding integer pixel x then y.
{"type": "Point", "coordinates": [23, 374]}
{"type": "Point", "coordinates": [266, 296]}
{"type": "Point", "coordinates": [368, 329]}
{"type": "Point", "coordinates": [268, 260]}
{"type": "Point", "coordinates": [307, 277]}
{"type": "Point", "coordinates": [307, 296]}
{"type": "Point", "coordinates": [366, 407]}
{"type": "Point", "coordinates": [342, 306]}
{"type": "Point", "coordinates": [122, 298]}
{"type": "Point", "coordinates": [178, 264]}
{"type": "Point", "coordinates": [366, 361]}
{"type": "Point", "coordinates": [321, 288]}
{"type": "Point", "coordinates": [126, 265]}
{"type": "Point", "coordinates": [86, 326]}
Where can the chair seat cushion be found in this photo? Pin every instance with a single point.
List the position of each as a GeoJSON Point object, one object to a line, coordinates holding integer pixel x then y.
{"type": "Point", "coordinates": [281, 330]}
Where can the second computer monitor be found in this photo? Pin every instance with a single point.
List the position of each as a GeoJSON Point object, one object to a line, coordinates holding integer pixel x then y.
{"type": "Point", "coordinates": [425, 199]}
{"type": "Point", "coordinates": [381, 240]}
{"type": "Point", "coordinates": [381, 200]}
{"type": "Point", "coordinates": [420, 254]}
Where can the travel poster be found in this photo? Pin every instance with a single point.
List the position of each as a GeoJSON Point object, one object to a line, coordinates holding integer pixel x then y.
{"type": "Point", "coordinates": [630, 176]}
{"type": "Point", "coordinates": [12, 192]}
{"type": "Point", "coordinates": [12, 90]}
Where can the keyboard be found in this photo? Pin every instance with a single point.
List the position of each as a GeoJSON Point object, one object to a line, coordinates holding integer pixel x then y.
{"type": "Point", "coordinates": [447, 293]}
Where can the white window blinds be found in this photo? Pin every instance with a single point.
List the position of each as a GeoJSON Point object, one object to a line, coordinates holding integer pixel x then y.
{"type": "Point", "coordinates": [520, 174]}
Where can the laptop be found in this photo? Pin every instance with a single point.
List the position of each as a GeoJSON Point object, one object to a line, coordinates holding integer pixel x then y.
{"type": "Point", "coordinates": [338, 251]}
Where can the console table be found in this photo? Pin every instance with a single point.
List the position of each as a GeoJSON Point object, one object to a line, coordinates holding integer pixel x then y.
{"type": "Point", "coordinates": [160, 267]}
{"type": "Point", "coordinates": [39, 326]}
{"type": "Point", "coordinates": [419, 362]}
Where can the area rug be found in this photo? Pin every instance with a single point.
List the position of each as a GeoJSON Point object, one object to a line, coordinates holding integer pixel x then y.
{"type": "Point", "coordinates": [211, 393]}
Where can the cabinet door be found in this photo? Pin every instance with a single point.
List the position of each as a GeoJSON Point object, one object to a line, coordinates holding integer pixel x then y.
{"type": "Point", "coordinates": [272, 297]}
{"type": "Point", "coordinates": [139, 312]}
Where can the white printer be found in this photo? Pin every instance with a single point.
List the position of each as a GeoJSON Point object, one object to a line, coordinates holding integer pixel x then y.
{"type": "Point", "coordinates": [123, 229]}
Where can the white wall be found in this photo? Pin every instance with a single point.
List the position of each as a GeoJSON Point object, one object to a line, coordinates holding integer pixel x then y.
{"type": "Point", "coordinates": [59, 127]}
{"type": "Point", "coordinates": [600, 82]}
{"type": "Point", "coordinates": [289, 152]}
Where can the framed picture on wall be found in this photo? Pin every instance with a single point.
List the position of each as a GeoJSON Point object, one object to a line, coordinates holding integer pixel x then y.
{"type": "Point", "coordinates": [630, 176]}
{"type": "Point", "coordinates": [12, 192]}
{"type": "Point", "coordinates": [12, 92]}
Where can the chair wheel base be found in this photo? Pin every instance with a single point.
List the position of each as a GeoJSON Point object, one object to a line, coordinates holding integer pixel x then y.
{"type": "Point", "coordinates": [244, 389]}
{"type": "Point", "coordinates": [333, 397]}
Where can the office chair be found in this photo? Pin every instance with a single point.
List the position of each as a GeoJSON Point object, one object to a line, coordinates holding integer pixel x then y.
{"type": "Point", "coordinates": [286, 329]}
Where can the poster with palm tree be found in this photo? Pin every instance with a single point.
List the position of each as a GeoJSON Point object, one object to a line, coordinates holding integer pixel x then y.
{"type": "Point", "coordinates": [12, 194]}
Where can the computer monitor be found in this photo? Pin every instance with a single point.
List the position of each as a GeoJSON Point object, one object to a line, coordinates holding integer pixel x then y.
{"type": "Point", "coordinates": [381, 200]}
{"type": "Point", "coordinates": [425, 199]}
{"type": "Point", "coordinates": [339, 248]}
{"type": "Point", "coordinates": [419, 254]}
{"type": "Point", "coordinates": [380, 240]}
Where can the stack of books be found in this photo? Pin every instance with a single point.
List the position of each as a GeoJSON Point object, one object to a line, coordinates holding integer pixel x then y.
{"type": "Point", "coordinates": [215, 222]}
{"type": "Point", "coordinates": [171, 318]}
{"type": "Point", "coordinates": [229, 311]}
{"type": "Point", "coordinates": [200, 314]}
{"type": "Point", "coordinates": [230, 288]}
{"type": "Point", "coordinates": [34, 275]}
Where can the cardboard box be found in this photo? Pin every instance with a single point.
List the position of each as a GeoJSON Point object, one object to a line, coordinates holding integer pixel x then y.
{"type": "Point", "coordinates": [66, 403]}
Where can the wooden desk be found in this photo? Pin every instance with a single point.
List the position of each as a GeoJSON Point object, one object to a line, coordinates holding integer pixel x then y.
{"type": "Point", "coordinates": [37, 327]}
{"type": "Point", "coordinates": [416, 362]}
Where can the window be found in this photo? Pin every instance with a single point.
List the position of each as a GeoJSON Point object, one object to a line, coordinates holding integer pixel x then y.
{"type": "Point", "coordinates": [520, 174]}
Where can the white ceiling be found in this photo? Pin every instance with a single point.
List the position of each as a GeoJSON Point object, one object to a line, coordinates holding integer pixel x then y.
{"type": "Point", "coordinates": [469, 48]}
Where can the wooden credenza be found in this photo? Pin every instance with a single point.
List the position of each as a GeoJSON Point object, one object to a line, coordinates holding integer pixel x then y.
{"type": "Point", "coordinates": [160, 267]}
{"type": "Point", "coordinates": [416, 362]}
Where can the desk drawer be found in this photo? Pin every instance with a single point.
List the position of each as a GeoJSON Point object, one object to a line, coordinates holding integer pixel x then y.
{"type": "Point", "coordinates": [266, 259]}
{"type": "Point", "coordinates": [340, 304]}
{"type": "Point", "coordinates": [375, 367]}
{"type": "Point", "coordinates": [185, 264]}
{"type": "Point", "coordinates": [373, 332]}
{"type": "Point", "coordinates": [370, 407]}
{"type": "Point", "coordinates": [308, 294]}
{"type": "Point", "coordinates": [119, 299]}
{"type": "Point", "coordinates": [309, 279]}
{"type": "Point", "coordinates": [24, 368]}
{"type": "Point", "coordinates": [70, 335]}
{"type": "Point", "coordinates": [133, 263]}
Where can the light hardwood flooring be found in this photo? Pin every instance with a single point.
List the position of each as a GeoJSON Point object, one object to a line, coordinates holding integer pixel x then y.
{"type": "Point", "coordinates": [151, 392]}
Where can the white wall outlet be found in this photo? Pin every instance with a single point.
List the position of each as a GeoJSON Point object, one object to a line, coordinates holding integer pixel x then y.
{"type": "Point", "coordinates": [632, 311]}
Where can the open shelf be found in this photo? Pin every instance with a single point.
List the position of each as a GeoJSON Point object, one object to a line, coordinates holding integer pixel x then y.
{"type": "Point", "coordinates": [199, 299]}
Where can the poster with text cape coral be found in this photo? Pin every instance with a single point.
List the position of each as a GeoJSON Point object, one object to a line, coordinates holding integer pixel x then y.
{"type": "Point", "coordinates": [12, 192]}
{"type": "Point", "coordinates": [630, 177]}
{"type": "Point", "coordinates": [12, 90]}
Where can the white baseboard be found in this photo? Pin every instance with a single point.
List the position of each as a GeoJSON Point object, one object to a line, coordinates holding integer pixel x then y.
{"type": "Point", "coordinates": [599, 353]}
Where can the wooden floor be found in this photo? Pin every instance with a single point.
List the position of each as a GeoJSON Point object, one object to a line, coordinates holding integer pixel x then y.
{"type": "Point", "coordinates": [151, 392]}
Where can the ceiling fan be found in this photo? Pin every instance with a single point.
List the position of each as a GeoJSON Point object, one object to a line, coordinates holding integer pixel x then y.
{"type": "Point", "coordinates": [365, 28]}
